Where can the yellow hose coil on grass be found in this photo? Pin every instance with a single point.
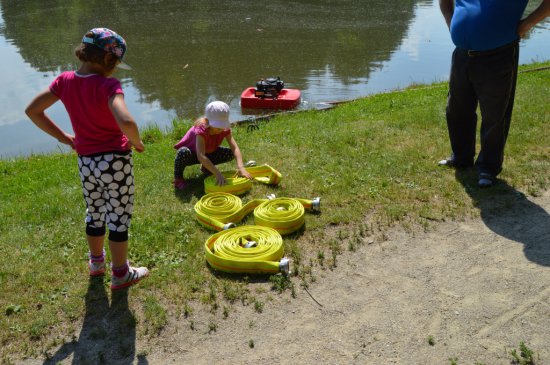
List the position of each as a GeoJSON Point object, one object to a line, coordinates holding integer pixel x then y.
{"type": "Point", "coordinates": [220, 211]}
{"type": "Point", "coordinates": [247, 249]}
{"type": "Point", "coordinates": [237, 185]}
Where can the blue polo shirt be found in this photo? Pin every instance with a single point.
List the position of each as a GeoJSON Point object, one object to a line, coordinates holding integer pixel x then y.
{"type": "Point", "coordinates": [481, 25]}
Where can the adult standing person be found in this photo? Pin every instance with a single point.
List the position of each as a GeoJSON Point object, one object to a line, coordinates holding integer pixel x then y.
{"type": "Point", "coordinates": [484, 67]}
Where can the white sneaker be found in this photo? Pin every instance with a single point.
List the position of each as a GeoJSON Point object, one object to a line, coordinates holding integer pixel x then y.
{"type": "Point", "coordinates": [133, 275]}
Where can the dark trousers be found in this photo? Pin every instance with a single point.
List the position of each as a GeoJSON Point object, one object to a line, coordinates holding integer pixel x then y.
{"type": "Point", "coordinates": [488, 79]}
{"type": "Point", "coordinates": [185, 157]}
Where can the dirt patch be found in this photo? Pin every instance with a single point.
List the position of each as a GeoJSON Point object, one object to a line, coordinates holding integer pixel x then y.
{"type": "Point", "coordinates": [477, 288]}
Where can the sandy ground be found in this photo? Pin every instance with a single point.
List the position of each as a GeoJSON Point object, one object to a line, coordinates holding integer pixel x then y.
{"type": "Point", "coordinates": [478, 287]}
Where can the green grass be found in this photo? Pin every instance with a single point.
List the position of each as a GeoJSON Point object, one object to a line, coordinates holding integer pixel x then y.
{"type": "Point", "coordinates": [525, 356]}
{"type": "Point", "coordinates": [372, 161]}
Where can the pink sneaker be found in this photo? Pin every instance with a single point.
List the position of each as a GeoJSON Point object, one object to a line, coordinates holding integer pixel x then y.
{"type": "Point", "coordinates": [96, 266]}
{"type": "Point", "coordinates": [180, 184]}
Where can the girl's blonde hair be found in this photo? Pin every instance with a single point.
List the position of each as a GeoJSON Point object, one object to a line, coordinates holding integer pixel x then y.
{"type": "Point", "coordinates": [200, 121]}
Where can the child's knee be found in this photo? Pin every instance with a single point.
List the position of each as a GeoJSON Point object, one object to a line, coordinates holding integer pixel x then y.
{"type": "Point", "coordinates": [117, 236]}
{"type": "Point", "coordinates": [95, 231]}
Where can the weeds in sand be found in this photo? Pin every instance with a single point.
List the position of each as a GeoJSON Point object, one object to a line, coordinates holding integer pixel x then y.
{"type": "Point", "coordinates": [230, 292]}
{"type": "Point", "coordinates": [321, 257]}
{"type": "Point", "coordinates": [525, 356]}
{"type": "Point", "coordinates": [155, 315]}
{"type": "Point", "coordinates": [258, 306]}
{"type": "Point", "coordinates": [187, 310]}
{"type": "Point", "coordinates": [336, 249]}
{"type": "Point", "coordinates": [280, 283]}
{"type": "Point", "coordinates": [431, 340]}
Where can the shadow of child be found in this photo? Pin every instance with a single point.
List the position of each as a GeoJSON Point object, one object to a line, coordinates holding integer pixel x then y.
{"type": "Point", "coordinates": [108, 333]}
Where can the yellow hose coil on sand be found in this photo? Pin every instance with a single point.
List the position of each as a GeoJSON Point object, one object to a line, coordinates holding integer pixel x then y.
{"type": "Point", "coordinates": [237, 185]}
{"type": "Point", "coordinates": [247, 249]}
{"type": "Point", "coordinates": [220, 211]}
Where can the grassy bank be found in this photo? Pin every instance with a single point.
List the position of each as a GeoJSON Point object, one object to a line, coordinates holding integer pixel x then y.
{"type": "Point", "coordinates": [372, 161]}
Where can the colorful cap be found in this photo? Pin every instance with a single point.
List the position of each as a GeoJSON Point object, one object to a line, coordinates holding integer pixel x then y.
{"type": "Point", "coordinates": [217, 113]}
{"type": "Point", "coordinates": [109, 41]}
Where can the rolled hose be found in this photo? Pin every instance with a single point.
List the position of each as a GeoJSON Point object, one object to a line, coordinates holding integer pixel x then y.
{"type": "Point", "coordinates": [247, 249]}
{"type": "Point", "coordinates": [220, 211]}
{"type": "Point", "coordinates": [237, 185]}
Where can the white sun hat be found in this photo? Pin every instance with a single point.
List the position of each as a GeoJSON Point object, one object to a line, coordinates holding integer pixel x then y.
{"type": "Point", "coordinates": [217, 113]}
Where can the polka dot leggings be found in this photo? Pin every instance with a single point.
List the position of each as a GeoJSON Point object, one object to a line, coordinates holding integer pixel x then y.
{"type": "Point", "coordinates": [185, 157]}
{"type": "Point", "coordinates": [108, 188]}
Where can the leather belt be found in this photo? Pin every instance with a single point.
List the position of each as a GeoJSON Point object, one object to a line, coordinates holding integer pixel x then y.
{"type": "Point", "coordinates": [489, 52]}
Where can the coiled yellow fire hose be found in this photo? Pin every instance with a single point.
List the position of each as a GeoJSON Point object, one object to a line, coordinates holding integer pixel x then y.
{"type": "Point", "coordinates": [247, 249]}
{"type": "Point", "coordinates": [237, 185]}
{"type": "Point", "coordinates": [220, 211]}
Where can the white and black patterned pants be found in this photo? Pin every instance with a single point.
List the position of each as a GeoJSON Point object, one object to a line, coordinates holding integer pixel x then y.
{"type": "Point", "coordinates": [185, 157]}
{"type": "Point", "coordinates": [108, 188]}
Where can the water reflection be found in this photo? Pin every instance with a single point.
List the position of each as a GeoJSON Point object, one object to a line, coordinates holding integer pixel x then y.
{"type": "Point", "coordinates": [185, 54]}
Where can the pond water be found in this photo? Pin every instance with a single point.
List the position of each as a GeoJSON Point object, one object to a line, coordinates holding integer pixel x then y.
{"type": "Point", "coordinates": [186, 54]}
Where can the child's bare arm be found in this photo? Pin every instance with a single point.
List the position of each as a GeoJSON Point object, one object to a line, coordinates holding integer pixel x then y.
{"type": "Point", "coordinates": [36, 112]}
{"type": "Point", "coordinates": [238, 156]}
{"type": "Point", "coordinates": [200, 147]}
{"type": "Point", "coordinates": [125, 121]}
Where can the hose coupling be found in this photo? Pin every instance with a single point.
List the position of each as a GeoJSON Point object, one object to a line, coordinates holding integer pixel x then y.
{"type": "Point", "coordinates": [284, 266]}
{"type": "Point", "coordinates": [250, 163]}
{"type": "Point", "coordinates": [250, 244]}
{"type": "Point", "coordinates": [229, 226]}
{"type": "Point", "coordinates": [316, 204]}
{"type": "Point", "coordinates": [270, 196]}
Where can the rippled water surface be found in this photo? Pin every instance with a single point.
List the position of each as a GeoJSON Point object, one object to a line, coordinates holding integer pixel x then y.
{"type": "Point", "coordinates": [185, 54]}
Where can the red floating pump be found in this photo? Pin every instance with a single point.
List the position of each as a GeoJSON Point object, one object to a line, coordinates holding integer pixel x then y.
{"type": "Point", "coordinates": [270, 94]}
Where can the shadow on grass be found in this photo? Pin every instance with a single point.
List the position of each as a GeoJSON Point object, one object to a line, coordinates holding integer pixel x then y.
{"type": "Point", "coordinates": [108, 334]}
{"type": "Point", "coordinates": [195, 189]}
{"type": "Point", "coordinates": [508, 213]}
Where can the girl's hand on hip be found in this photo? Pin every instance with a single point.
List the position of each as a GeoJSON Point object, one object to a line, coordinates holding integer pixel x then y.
{"type": "Point", "coordinates": [140, 147]}
{"type": "Point", "coordinates": [67, 139]}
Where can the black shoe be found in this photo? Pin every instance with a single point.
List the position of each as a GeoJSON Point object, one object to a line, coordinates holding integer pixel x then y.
{"type": "Point", "coordinates": [486, 180]}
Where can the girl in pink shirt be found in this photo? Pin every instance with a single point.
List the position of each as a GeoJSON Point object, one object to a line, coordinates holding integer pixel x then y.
{"type": "Point", "coordinates": [201, 144]}
{"type": "Point", "coordinates": [104, 132]}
